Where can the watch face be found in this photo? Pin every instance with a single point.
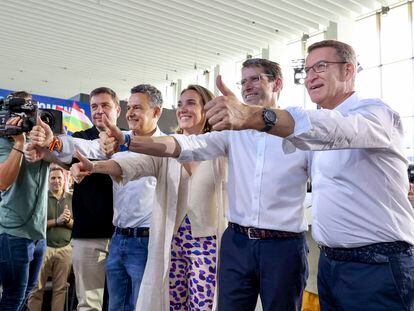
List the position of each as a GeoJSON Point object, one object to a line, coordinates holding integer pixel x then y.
{"type": "Point", "coordinates": [270, 115]}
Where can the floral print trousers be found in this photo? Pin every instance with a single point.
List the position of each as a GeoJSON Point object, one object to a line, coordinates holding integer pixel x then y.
{"type": "Point", "coordinates": [192, 270]}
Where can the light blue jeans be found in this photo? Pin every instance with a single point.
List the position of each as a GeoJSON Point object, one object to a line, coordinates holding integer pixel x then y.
{"type": "Point", "coordinates": [124, 270]}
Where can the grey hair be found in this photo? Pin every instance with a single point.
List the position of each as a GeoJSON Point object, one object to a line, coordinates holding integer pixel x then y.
{"type": "Point", "coordinates": [152, 92]}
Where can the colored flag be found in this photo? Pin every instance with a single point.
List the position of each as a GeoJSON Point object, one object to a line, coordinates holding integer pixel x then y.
{"type": "Point", "coordinates": [77, 121]}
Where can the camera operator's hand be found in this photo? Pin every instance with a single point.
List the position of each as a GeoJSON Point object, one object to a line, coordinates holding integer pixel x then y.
{"type": "Point", "coordinates": [111, 138]}
{"type": "Point", "coordinates": [82, 169]}
{"type": "Point", "coordinates": [34, 153]}
{"type": "Point", "coordinates": [18, 139]}
{"type": "Point", "coordinates": [41, 135]}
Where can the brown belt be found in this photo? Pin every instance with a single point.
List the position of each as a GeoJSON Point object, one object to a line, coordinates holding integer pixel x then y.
{"type": "Point", "coordinates": [263, 234]}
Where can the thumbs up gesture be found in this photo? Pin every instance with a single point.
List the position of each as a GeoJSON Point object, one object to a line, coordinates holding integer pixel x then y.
{"type": "Point", "coordinates": [41, 135]}
{"type": "Point", "coordinates": [226, 112]}
{"type": "Point", "coordinates": [82, 169]}
{"type": "Point", "coordinates": [111, 138]}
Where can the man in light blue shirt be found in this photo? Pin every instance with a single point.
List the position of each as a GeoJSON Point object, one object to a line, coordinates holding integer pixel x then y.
{"type": "Point", "coordinates": [362, 218]}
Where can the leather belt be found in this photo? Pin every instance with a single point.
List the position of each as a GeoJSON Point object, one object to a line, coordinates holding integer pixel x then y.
{"type": "Point", "coordinates": [133, 232]}
{"type": "Point", "coordinates": [263, 234]}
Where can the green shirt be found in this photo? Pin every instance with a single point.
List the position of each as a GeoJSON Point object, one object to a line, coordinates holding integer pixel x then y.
{"type": "Point", "coordinates": [58, 236]}
{"type": "Point", "coordinates": [23, 205]}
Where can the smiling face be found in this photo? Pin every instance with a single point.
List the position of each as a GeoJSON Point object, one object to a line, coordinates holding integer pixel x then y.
{"type": "Point", "coordinates": [330, 88]}
{"type": "Point", "coordinates": [258, 88]}
{"type": "Point", "coordinates": [103, 104]}
{"type": "Point", "coordinates": [190, 113]}
{"type": "Point", "coordinates": [141, 117]}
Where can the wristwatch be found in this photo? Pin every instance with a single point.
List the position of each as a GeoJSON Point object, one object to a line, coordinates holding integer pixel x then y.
{"type": "Point", "coordinates": [269, 119]}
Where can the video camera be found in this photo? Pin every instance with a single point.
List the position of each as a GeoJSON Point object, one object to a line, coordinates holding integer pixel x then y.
{"type": "Point", "coordinates": [28, 110]}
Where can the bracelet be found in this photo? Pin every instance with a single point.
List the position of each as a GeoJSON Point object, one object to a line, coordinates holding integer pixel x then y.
{"type": "Point", "coordinates": [125, 145]}
{"type": "Point", "coordinates": [18, 150]}
{"type": "Point", "coordinates": [55, 145]}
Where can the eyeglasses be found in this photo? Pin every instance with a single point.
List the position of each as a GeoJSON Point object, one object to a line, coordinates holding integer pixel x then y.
{"type": "Point", "coordinates": [321, 66]}
{"type": "Point", "coordinates": [253, 79]}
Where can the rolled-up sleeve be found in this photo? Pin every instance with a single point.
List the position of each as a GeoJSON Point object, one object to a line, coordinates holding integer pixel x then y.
{"type": "Point", "coordinates": [136, 165]}
{"type": "Point", "coordinates": [370, 125]}
{"type": "Point", "coordinates": [88, 148]}
{"type": "Point", "coordinates": [202, 147]}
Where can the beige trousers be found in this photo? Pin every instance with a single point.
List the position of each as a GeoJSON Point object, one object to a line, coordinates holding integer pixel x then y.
{"type": "Point", "coordinates": [88, 258]}
{"type": "Point", "coordinates": [57, 264]}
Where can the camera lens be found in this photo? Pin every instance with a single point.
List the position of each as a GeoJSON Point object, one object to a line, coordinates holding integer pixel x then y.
{"type": "Point", "coordinates": [47, 117]}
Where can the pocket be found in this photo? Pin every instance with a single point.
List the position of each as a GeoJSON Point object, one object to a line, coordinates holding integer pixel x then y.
{"type": "Point", "coordinates": [20, 250]}
{"type": "Point", "coordinates": [402, 270]}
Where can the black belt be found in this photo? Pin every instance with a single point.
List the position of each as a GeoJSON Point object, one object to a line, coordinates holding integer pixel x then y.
{"type": "Point", "coordinates": [133, 232]}
{"type": "Point", "coordinates": [263, 234]}
{"type": "Point", "coordinates": [373, 253]}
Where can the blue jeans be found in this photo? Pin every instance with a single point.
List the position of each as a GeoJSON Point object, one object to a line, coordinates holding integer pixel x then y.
{"type": "Point", "coordinates": [385, 285]}
{"type": "Point", "coordinates": [20, 263]}
{"type": "Point", "coordinates": [124, 270]}
{"type": "Point", "coordinates": [276, 269]}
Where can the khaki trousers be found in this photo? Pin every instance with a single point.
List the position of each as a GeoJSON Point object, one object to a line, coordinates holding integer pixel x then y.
{"type": "Point", "coordinates": [88, 258]}
{"type": "Point", "coordinates": [57, 264]}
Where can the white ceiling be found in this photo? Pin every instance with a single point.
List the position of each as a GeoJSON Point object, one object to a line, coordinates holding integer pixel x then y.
{"type": "Point", "coordinates": [61, 48]}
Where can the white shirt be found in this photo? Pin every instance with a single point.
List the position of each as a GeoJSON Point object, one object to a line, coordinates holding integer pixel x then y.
{"type": "Point", "coordinates": [359, 195]}
{"type": "Point", "coordinates": [133, 201]}
{"type": "Point", "coordinates": [266, 187]}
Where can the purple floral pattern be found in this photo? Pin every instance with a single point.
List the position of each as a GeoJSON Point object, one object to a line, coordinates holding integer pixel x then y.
{"type": "Point", "coordinates": [192, 270]}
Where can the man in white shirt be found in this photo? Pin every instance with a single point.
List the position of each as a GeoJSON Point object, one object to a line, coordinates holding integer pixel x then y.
{"type": "Point", "coordinates": [132, 202]}
{"type": "Point", "coordinates": [263, 250]}
{"type": "Point", "coordinates": [362, 218]}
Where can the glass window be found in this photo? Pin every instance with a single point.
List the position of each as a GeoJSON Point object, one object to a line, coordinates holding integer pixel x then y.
{"type": "Point", "coordinates": [367, 83]}
{"type": "Point", "coordinates": [395, 35]}
{"type": "Point", "coordinates": [366, 42]}
{"type": "Point", "coordinates": [398, 87]}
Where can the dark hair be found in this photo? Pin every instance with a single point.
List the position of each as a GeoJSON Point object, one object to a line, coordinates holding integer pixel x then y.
{"type": "Point", "coordinates": [105, 90]}
{"type": "Point", "coordinates": [270, 68]}
{"type": "Point", "coordinates": [206, 95]}
{"type": "Point", "coordinates": [21, 94]}
{"type": "Point", "coordinates": [344, 51]}
{"type": "Point", "coordinates": [152, 92]}
{"type": "Point", "coordinates": [56, 168]}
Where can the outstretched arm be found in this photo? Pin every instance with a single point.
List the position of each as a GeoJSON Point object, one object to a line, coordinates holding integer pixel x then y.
{"type": "Point", "coordinates": [228, 113]}
{"type": "Point", "coordinates": [85, 168]}
{"type": "Point", "coordinates": [113, 138]}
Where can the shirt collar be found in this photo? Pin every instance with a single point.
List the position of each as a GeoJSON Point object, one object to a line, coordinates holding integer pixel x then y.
{"type": "Point", "coordinates": [156, 133]}
{"type": "Point", "coordinates": [63, 196]}
{"type": "Point", "coordinates": [348, 104]}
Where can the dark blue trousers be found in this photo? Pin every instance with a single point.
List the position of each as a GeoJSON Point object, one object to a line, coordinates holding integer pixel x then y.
{"type": "Point", "coordinates": [354, 286]}
{"type": "Point", "coordinates": [276, 269]}
{"type": "Point", "coordinates": [20, 264]}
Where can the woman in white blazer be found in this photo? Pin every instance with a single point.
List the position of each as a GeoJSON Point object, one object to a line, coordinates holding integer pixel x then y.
{"type": "Point", "coordinates": [187, 220]}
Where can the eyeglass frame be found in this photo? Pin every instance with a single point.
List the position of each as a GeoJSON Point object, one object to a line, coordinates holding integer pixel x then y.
{"type": "Point", "coordinates": [259, 75]}
{"type": "Point", "coordinates": [326, 63]}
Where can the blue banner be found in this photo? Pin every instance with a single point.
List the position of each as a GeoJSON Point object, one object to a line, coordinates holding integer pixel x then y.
{"type": "Point", "coordinates": [46, 102]}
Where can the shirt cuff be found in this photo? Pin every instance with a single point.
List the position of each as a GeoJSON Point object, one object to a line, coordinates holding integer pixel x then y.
{"type": "Point", "coordinates": [302, 121]}
{"type": "Point", "coordinates": [68, 148]}
{"type": "Point", "coordinates": [186, 155]}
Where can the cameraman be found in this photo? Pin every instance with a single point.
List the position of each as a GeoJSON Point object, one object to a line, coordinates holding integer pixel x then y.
{"type": "Point", "coordinates": [23, 206]}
